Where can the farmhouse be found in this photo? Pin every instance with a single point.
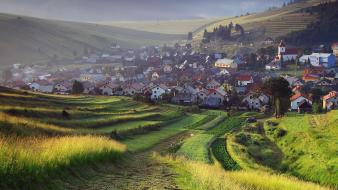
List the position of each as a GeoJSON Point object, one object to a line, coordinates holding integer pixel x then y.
{"type": "Point", "coordinates": [330, 101]}
{"type": "Point", "coordinates": [218, 94]}
{"type": "Point", "coordinates": [109, 89]}
{"type": "Point", "coordinates": [285, 53]}
{"type": "Point", "coordinates": [297, 99]}
{"type": "Point", "coordinates": [213, 85]}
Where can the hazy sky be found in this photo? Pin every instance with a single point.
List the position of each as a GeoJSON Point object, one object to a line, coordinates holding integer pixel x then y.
{"type": "Point", "coordinates": [106, 10]}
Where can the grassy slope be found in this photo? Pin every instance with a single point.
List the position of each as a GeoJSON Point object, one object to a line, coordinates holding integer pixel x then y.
{"type": "Point", "coordinates": [165, 27]}
{"type": "Point", "coordinates": [32, 146]}
{"type": "Point", "coordinates": [275, 23]}
{"type": "Point", "coordinates": [28, 40]}
{"type": "Point", "coordinates": [310, 146]}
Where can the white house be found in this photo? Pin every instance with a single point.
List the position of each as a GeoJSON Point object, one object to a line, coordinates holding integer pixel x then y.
{"type": "Point", "coordinates": [330, 101]}
{"type": "Point", "coordinates": [326, 60]}
{"type": "Point", "coordinates": [297, 99]}
{"type": "Point", "coordinates": [157, 91]}
{"type": "Point", "coordinates": [46, 88]}
{"type": "Point", "coordinates": [226, 63]}
{"type": "Point", "coordinates": [244, 80]}
{"type": "Point", "coordinates": [254, 101]}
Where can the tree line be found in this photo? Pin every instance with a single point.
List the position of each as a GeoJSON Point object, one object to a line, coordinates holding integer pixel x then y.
{"type": "Point", "coordinates": [223, 32]}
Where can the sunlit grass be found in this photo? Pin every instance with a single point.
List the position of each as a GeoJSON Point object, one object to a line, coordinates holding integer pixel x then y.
{"type": "Point", "coordinates": [25, 160]}
{"type": "Point", "coordinates": [199, 176]}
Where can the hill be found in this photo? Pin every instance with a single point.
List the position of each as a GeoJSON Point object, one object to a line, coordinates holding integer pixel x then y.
{"type": "Point", "coordinates": [67, 142]}
{"type": "Point", "coordinates": [27, 39]}
{"type": "Point", "coordinates": [300, 145]}
{"type": "Point", "coordinates": [165, 26]}
{"type": "Point", "coordinates": [274, 23]}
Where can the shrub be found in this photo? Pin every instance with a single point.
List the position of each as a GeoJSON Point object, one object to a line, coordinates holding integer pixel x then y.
{"type": "Point", "coordinates": [65, 114]}
{"type": "Point", "coordinates": [279, 133]}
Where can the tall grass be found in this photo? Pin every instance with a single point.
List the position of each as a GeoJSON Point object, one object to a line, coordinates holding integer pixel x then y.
{"type": "Point", "coordinates": [24, 162]}
{"type": "Point", "coordinates": [199, 176]}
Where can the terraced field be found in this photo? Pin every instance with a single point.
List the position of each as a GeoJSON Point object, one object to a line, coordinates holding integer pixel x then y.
{"type": "Point", "coordinates": [87, 142]}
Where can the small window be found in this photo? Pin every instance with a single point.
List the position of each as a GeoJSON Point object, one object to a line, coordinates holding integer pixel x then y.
{"type": "Point", "coordinates": [214, 93]}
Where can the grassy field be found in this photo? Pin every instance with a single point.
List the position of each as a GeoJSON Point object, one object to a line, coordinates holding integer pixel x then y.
{"type": "Point", "coordinates": [309, 144]}
{"type": "Point", "coordinates": [31, 40]}
{"type": "Point", "coordinates": [42, 135]}
{"type": "Point", "coordinates": [165, 27]}
{"type": "Point", "coordinates": [200, 176]}
{"type": "Point", "coordinates": [50, 139]}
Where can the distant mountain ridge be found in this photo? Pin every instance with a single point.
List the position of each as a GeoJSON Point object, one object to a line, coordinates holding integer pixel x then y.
{"type": "Point", "coordinates": [27, 39]}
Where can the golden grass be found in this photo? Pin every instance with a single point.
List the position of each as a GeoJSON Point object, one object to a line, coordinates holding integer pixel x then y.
{"type": "Point", "coordinates": [25, 159]}
{"type": "Point", "coordinates": [199, 176]}
{"type": "Point", "coordinates": [21, 123]}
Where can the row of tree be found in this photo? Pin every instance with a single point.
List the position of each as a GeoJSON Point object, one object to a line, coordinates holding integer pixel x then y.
{"type": "Point", "coordinates": [223, 32]}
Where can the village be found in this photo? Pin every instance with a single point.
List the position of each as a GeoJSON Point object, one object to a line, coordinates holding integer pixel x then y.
{"type": "Point", "coordinates": [180, 75]}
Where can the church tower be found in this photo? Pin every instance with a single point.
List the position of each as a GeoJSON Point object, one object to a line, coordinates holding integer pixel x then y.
{"type": "Point", "coordinates": [281, 49]}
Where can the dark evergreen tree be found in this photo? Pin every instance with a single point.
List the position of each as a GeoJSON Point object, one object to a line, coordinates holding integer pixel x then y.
{"type": "Point", "coordinates": [77, 87]}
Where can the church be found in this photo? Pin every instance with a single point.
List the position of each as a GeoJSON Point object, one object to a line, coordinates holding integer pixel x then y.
{"type": "Point", "coordinates": [285, 53]}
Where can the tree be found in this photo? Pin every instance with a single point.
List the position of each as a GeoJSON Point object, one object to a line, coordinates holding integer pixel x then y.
{"type": "Point", "coordinates": [77, 87]}
{"type": "Point", "coordinates": [190, 36]}
{"type": "Point", "coordinates": [279, 91]}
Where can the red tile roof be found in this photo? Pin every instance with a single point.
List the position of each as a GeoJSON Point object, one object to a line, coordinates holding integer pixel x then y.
{"type": "Point", "coordinates": [244, 77]}
{"type": "Point", "coordinates": [297, 95]}
{"type": "Point", "coordinates": [330, 95]}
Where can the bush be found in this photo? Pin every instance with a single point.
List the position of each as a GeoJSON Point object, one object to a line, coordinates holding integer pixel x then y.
{"type": "Point", "coordinates": [279, 133]}
{"type": "Point", "coordinates": [242, 138]}
{"type": "Point", "coordinates": [65, 114]}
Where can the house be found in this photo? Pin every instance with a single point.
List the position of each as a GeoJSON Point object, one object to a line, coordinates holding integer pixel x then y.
{"type": "Point", "coordinates": [218, 94]}
{"type": "Point", "coordinates": [244, 80]}
{"type": "Point", "coordinates": [285, 53]}
{"type": "Point", "coordinates": [226, 63]}
{"type": "Point", "coordinates": [35, 85]}
{"type": "Point", "coordinates": [297, 99]}
{"type": "Point", "coordinates": [334, 47]}
{"type": "Point", "coordinates": [63, 87]}
{"type": "Point", "coordinates": [273, 66]}
{"type": "Point", "coordinates": [89, 88]}
{"type": "Point", "coordinates": [255, 101]}
{"type": "Point", "coordinates": [109, 89]}
{"type": "Point", "coordinates": [330, 101]}
{"type": "Point", "coordinates": [268, 41]}
{"type": "Point", "coordinates": [310, 78]}
{"type": "Point", "coordinates": [326, 60]}
{"type": "Point", "coordinates": [201, 94]}
{"type": "Point", "coordinates": [155, 76]}
{"type": "Point", "coordinates": [47, 89]}
{"type": "Point", "coordinates": [132, 89]}
{"type": "Point", "coordinates": [157, 91]}
{"type": "Point", "coordinates": [213, 85]}
{"type": "Point", "coordinates": [304, 107]}
{"type": "Point", "coordinates": [185, 98]}
{"type": "Point", "coordinates": [167, 68]}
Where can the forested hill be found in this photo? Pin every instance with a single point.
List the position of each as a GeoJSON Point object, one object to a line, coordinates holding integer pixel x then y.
{"type": "Point", "coordinates": [323, 30]}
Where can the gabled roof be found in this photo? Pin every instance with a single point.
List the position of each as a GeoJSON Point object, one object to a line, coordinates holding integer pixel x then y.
{"type": "Point", "coordinates": [298, 95]}
{"type": "Point", "coordinates": [331, 94]}
{"type": "Point", "coordinates": [244, 77]}
{"type": "Point", "coordinates": [219, 91]}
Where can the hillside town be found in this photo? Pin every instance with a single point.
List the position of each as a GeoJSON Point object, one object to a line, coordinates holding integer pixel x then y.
{"type": "Point", "coordinates": [183, 76]}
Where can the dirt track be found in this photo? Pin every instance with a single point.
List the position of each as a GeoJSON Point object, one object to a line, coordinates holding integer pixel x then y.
{"type": "Point", "coordinates": [139, 171]}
